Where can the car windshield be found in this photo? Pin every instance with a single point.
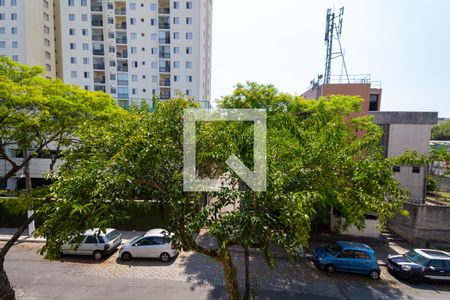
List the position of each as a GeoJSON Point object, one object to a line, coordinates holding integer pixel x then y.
{"type": "Point", "coordinates": [112, 235]}
{"type": "Point", "coordinates": [136, 238]}
{"type": "Point", "coordinates": [333, 248]}
{"type": "Point", "coordinates": [416, 257]}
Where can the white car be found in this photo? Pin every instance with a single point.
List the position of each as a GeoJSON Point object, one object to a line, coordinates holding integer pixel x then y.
{"type": "Point", "coordinates": [96, 243]}
{"type": "Point", "coordinates": [155, 243]}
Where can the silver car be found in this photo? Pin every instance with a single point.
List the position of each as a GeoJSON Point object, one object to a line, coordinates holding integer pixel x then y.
{"type": "Point", "coordinates": [155, 243]}
{"type": "Point", "coordinates": [95, 243]}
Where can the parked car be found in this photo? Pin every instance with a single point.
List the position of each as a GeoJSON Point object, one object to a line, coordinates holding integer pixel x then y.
{"type": "Point", "coordinates": [155, 243]}
{"type": "Point", "coordinates": [420, 264]}
{"type": "Point", "coordinates": [95, 242]}
{"type": "Point", "coordinates": [347, 257]}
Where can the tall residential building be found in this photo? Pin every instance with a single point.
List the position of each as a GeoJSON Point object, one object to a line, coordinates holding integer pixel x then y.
{"type": "Point", "coordinates": [132, 50]}
{"type": "Point", "coordinates": [27, 33]}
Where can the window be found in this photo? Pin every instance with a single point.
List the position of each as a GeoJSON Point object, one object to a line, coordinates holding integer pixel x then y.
{"type": "Point", "coordinates": [134, 78]}
{"type": "Point", "coordinates": [83, 2]}
{"type": "Point", "coordinates": [14, 30]}
{"type": "Point", "coordinates": [110, 5]}
{"type": "Point", "coordinates": [132, 6]}
{"type": "Point", "coordinates": [153, 22]}
{"type": "Point", "coordinates": [84, 32]}
{"type": "Point", "coordinates": [47, 54]}
{"type": "Point", "coordinates": [73, 74]}
{"type": "Point", "coordinates": [2, 2]}
{"type": "Point", "coordinates": [176, 4]}
{"type": "Point", "coordinates": [189, 65]}
{"type": "Point", "coordinates": [176, 50]}
{"type": "Point", "coordinates": [373, 102]}
{"type": "Point", "coordinates": [416, 169]}
{"type": "Point", "coordinates": [189, 35]}
{"type": "Point", "coordinates": [2, 16]}
{"type": "Point", "coordinates": [110, 20]}
{"type": "Point", "coordinates": [154, 36]}
{"type": "Point", "coordinates": [45, 3]}
{"type": "Point", "coordinates": [176, 78]}
{"type": "Point", "coordinates": [71, 31]}
{"type": "Point", "coordinates": [71, 2]}
{"type": "Point", "coordinates": [90, 239]}
{"type": "Point", "coordinates": [189, 5]}
{"type": "Point", "coordinates": [15, 57]}
{"type": "Point", "coordinates": [71, 17]}
{"type": "Point", "coordinates": [2, 30]}
{"type": "Point", "coordinates": [112, 76]}
{"type": "Point", "coordinates": [73, 60]}
{"type": "Point", "coordinates": [188, 50]}
{"type": "Point", "coordinates": [154, 78]}
{"type": "Point", "coordinates": [2, 44]}
{"type": "Point", "coordinates": [346, 254]}
{"type": "Point", "coordinates": [154, 65]}
{"type": "Point", "coordinates": [176, 64]}
{"type": "Point", "coordinates": [85, 60]}
{"type": "Point", "coordinates": [176, 35]}
{"type": "Point", "coordinates": [176, 20]}
{"type": "Point", "coordinates": [112, 49]}
{"type": "Point", "coordinates": [13, 2]}
{"type": "Point", "coordinates": [153, 7]}
{"type": "Point", "coordinates": [72, 46]}
{"type": "Point", "coordinates": [396, 169]}
{"type": "Point", "coordinates": [154, 50]}
{"type": "Point", "coordinates": [84, 17]}
{"type": "Point", "coordinates": [46, 42]}
{"type": "Point", "coordinates": [112, 63]}
{"type": "Point", "coordinates": [437, 263]}
{"type": "Point", "coordinates": [15, 44]}
{"type": "Point", "coordinates": [134, 91]}
{"type": "Point", "coordinates": [133, 35]}
{"type": "Point", "coordinates": [133, 50]}
{"type": "Point", "coordinates": [14, 16]}
{"type": "Point", "coordinates": [189, 78]}
{"type": "Point", "coordinates": [189, 20]}
{"type": "Point", "coordinates": [46, 29]}
{"type": "Point", "coordinates": [188, 92]}
{"type": "Point", "coordinates": [86, 74]}
{"type": "Point", "coordinates": [154, 91]}
{"type": "Point", "coordinates": [111, 35]}
{"type": "Point", "coordinates": [361, 255]}
{"type": "Point", "coordinates": [85, 46]}
{"type": "Point", "coordinates": [132, 21]}
{"type": "Point", "coordinates": [48, 67]}
{"type": "Point", "coordinates": [134, 64]}
{"type": "Point", "coordinates": [46, 17]}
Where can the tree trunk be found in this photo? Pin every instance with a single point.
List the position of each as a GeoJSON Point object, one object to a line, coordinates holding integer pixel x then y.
{"type": "Point", "coordinates": [230, 276]}
{"type": "Point", "coordinates": [6, 290]}
{"type": "Point", "coordinates": [247, 272]}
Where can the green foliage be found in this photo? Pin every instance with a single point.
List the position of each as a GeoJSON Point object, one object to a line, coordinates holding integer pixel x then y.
{"type": "Point", "coordinates": [432, 184]}
{"type": "Point", "coordinates": [441, 131]}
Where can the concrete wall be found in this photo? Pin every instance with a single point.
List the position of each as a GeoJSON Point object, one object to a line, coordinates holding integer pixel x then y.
{"type": "Point", "coordinates": [425, 225]}
{"type": "Point", "coordinates": [370, 229]}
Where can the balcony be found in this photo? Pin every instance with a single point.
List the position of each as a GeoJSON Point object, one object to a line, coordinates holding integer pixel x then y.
{"type": "Point", "coordinates": [164, 96]}
{"type": "Point", "coordinates": [121, 12]}
{"type": "Point", "coordinates": [96, 8]}
{"type": "Point", "coordinates": [122, 54]}
{"type": "Point", "coordinates": [99, 80]}
{"type": "Point", "coordinates": [164, 40]}
{"type": "Point", "coordinates": [121, 25]}
{"type": "Point", "coordinates": [164, 82]}
{"type": "Point", "coordinates": [97, 23]}
{"type": "Point", "coordinates": [165, 69]}
{"type": "Point", "coordinates": [99, 66]}
{"type": "Point", "coordinates": [98, 51]}
{"type": "Point", "coordinates": [100, 88]}
{"type": "Point", "coordinates": [122, 95]}
{"type": "Point", "coordinates": [97, 37]}
{"type": "Point", "coordinates": [164, 25]}
{"type": "Point", "coordinates": [164, 54]}
{"type": "Point", "coordinates": [121, 40]}
{"type": "Point", "coordinates": [122, 68]}
{"type": "Point", "coordinates": [164, 10]}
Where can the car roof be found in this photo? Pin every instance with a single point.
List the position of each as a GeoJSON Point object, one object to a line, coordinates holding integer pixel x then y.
{"type": "Point", "coordinates": [97, 231]}
{"type": "Point", "coordinates": [353, 246]}
{"type": "Point", "coordinates": [157, 232]}
{"type": "Point", "coordinates": [433, 253]}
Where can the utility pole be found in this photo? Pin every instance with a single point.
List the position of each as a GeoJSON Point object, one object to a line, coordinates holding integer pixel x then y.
{"type": "Point", "coordinates": [29, 189]}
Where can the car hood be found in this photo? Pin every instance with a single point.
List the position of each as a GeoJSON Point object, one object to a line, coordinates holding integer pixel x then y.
{"type": "Point", "coordinates": [402, 261]}
{"type": "Point", "coordinates": [321, 252]}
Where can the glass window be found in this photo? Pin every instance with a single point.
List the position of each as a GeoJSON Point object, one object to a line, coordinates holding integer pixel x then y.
{"type": "Point", "coordinates": [189, 78]}
{"type": "Point", "coordinates": [46, 42]}
{"type": "Point", "coordinates": [396, 169]}
{"type": "Point", "coordinates": [134, 78]}
{"type": "Point", "coordinates": [132, 6]}
{"type": "Point", "coordinates": [153, 22]}
{"type": "Point", "coordinates": [437, 263]}
{"type": "Point", "coordinates": [189, 20]}
{"type": "Point", "coordinates": [14, 16]}
{"type": "Point", "coordinates": [176, 50]}
{"type": "Point", "coordinates": [361, 254]}
{"type": "Point", "coordinates": [84, 17]}
{"type": "Point", "coordinates": [46, 29]}
{"type": "Point", "coordinates": [110, 20]}
{"type": "Point", "coordinates": [73, 60]}
{"type": "Point", "coordinates": [71, 17]}
{"type": "Point", "coordinates": [153, 7]}
{"type": "Point", "coordinates": [188, 50]}
{"type": "Point", "coordinates": [2, 30]}
{"type": "Point", "coordinates": [154, 78]}
{"type": "Point", "coordinates": [46, 17]}
{"type": "Point", "coordinates": [13, 2]}
{"type": "Point", "coordinates": [15, 44]}
{"type": "Point", "coordinates": [154, 36]}
{"type": "Point", "coordinates": [2, 44]}
{"type": "Point", "coordinates": [112, 76]}
{"type": "Point", "coordinates": [416, 169]}
{"type": "Point", "coordinates": [189, 5]}
{"type": "Point", "coordinates": [176, 20]}
{"type": "Point", "coordinates": [85, 46]}
{"type": "Point", "coordinates": [85, 60]}
{"type": "Point", "coordinates": [45, 3]}
{"type": "Point", "coordinates": [346, 254]}
{"type": "Point", "coordinates": [188, 64]}
{"type": "Point", "coordinates": [2, 16]}
{"type": "Point", "coordinates": [176, 35]}
{"type": "Point", "coordinates": [90, 239]}
{"type": "Point", "coordinates": [71, 2]}
{"type": "Point", "coordinates": [73, 74]}
{"type": "Point", "coordinates": [176, 4]}
{"type": "Point", "coordinates": [112, 235]}
{"type": "Point", "coordinates": [83, 2]}
{"type": "Point", "coordinates": [71, 31]}
{"type": "Point", "coordinates": [132, 21]}
{"type": "Point", "coordinates": [84, 32]}
{"type": "Point", "coordinates": [72, 46]}
{"type": "Point", "coordinates": [333, 248]}
{"type": "Point", "coordinates": [133, 35]}
{"type": "Point", "coordinates": [14, 30]}
{"type": "Point", "coordinates": [176, 64]}
{"type": "Point", "coordinates": [416, 257]}
{"type": "Point", "coordinates": [176, 78]}
{"type": "Point", "coordinates": [189, 35]}
{"type": "Point", "coordinates": [2, 2]}
{"type": "Point", "coordinates": [15, 57]}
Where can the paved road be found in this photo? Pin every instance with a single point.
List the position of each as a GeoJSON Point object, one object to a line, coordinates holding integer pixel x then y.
{"type": "Point", "coordinates": [191, 276]}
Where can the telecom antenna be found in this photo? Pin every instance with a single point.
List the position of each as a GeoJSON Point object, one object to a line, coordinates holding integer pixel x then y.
{"type": "Point", "coordinates": [333, 31]}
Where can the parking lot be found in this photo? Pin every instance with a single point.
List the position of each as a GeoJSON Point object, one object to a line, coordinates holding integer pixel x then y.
{"type": "Point", "coordinates": [193, 276]}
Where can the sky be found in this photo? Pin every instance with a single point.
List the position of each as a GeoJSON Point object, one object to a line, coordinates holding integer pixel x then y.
{"type": "Point", "coordinates": [405, 44]}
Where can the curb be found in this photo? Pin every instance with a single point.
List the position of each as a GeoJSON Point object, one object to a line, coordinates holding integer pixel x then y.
{"type": "Point", "coordinates": [24, 240]}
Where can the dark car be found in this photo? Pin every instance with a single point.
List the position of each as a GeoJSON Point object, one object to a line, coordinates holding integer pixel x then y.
{"type": "Point", "coordinates": [420, 264]}
{"type": "Point", "coordinates": [347, 257]}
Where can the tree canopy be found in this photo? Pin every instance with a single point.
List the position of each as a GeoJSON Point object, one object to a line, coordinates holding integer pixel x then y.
{"type": "Point", "coordinates": [315, 161]}
{"type": "Point", "coordinates": [441, 131]}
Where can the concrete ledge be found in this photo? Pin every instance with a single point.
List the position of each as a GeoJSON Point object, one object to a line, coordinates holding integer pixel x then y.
{"type": "Point", "coordinates": [404, 117]}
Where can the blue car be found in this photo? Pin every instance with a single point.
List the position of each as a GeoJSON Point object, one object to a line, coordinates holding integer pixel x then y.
{"type": "Point", "coordinates": [347, 257]}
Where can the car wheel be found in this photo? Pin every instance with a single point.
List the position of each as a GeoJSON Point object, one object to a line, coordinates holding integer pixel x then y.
{"type": "Point", "coordinates": [374, 274]}
{"type": "Point", "coordinates": [126, 256]}
{"type": "Point", "coordinates": [165, 257]}
{"type": "Point", "coordinates": [330, 269]}
{"type": "Point", "coordinates": [98, 255]}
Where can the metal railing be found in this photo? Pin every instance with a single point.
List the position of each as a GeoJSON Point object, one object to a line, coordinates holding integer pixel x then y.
{"type": "Point", "coordinates": [164, 82]}
{"type": "Point", "coordinates": [164, 41]}
{"type": "Point", "coordinates": [99, 66]}
{"type": "Point", "coordinates": [164, 10]}
{"type": "Point", "coordinates": [121, 11]}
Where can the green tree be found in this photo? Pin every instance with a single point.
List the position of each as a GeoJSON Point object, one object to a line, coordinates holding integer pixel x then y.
{"type": "Point", "coordinates": [441, 131]}
{"type": "Point", "coordinates": [315, 161]}
{"type": "Point", "coordinates": [36, 115]}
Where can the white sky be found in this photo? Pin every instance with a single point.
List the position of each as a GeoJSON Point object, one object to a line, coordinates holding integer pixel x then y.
{"type": "Point", "coordinates": [403, 43]}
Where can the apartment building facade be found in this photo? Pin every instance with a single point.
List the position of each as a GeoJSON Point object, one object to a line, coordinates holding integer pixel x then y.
{"type": "Point", "coordinates": [132, 50]}
{"type": "Point", "coordinates": [27, 33]}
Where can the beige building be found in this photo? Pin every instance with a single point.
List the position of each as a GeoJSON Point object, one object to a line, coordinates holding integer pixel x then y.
{"type": "Point", "coordinates": [27, 33]}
